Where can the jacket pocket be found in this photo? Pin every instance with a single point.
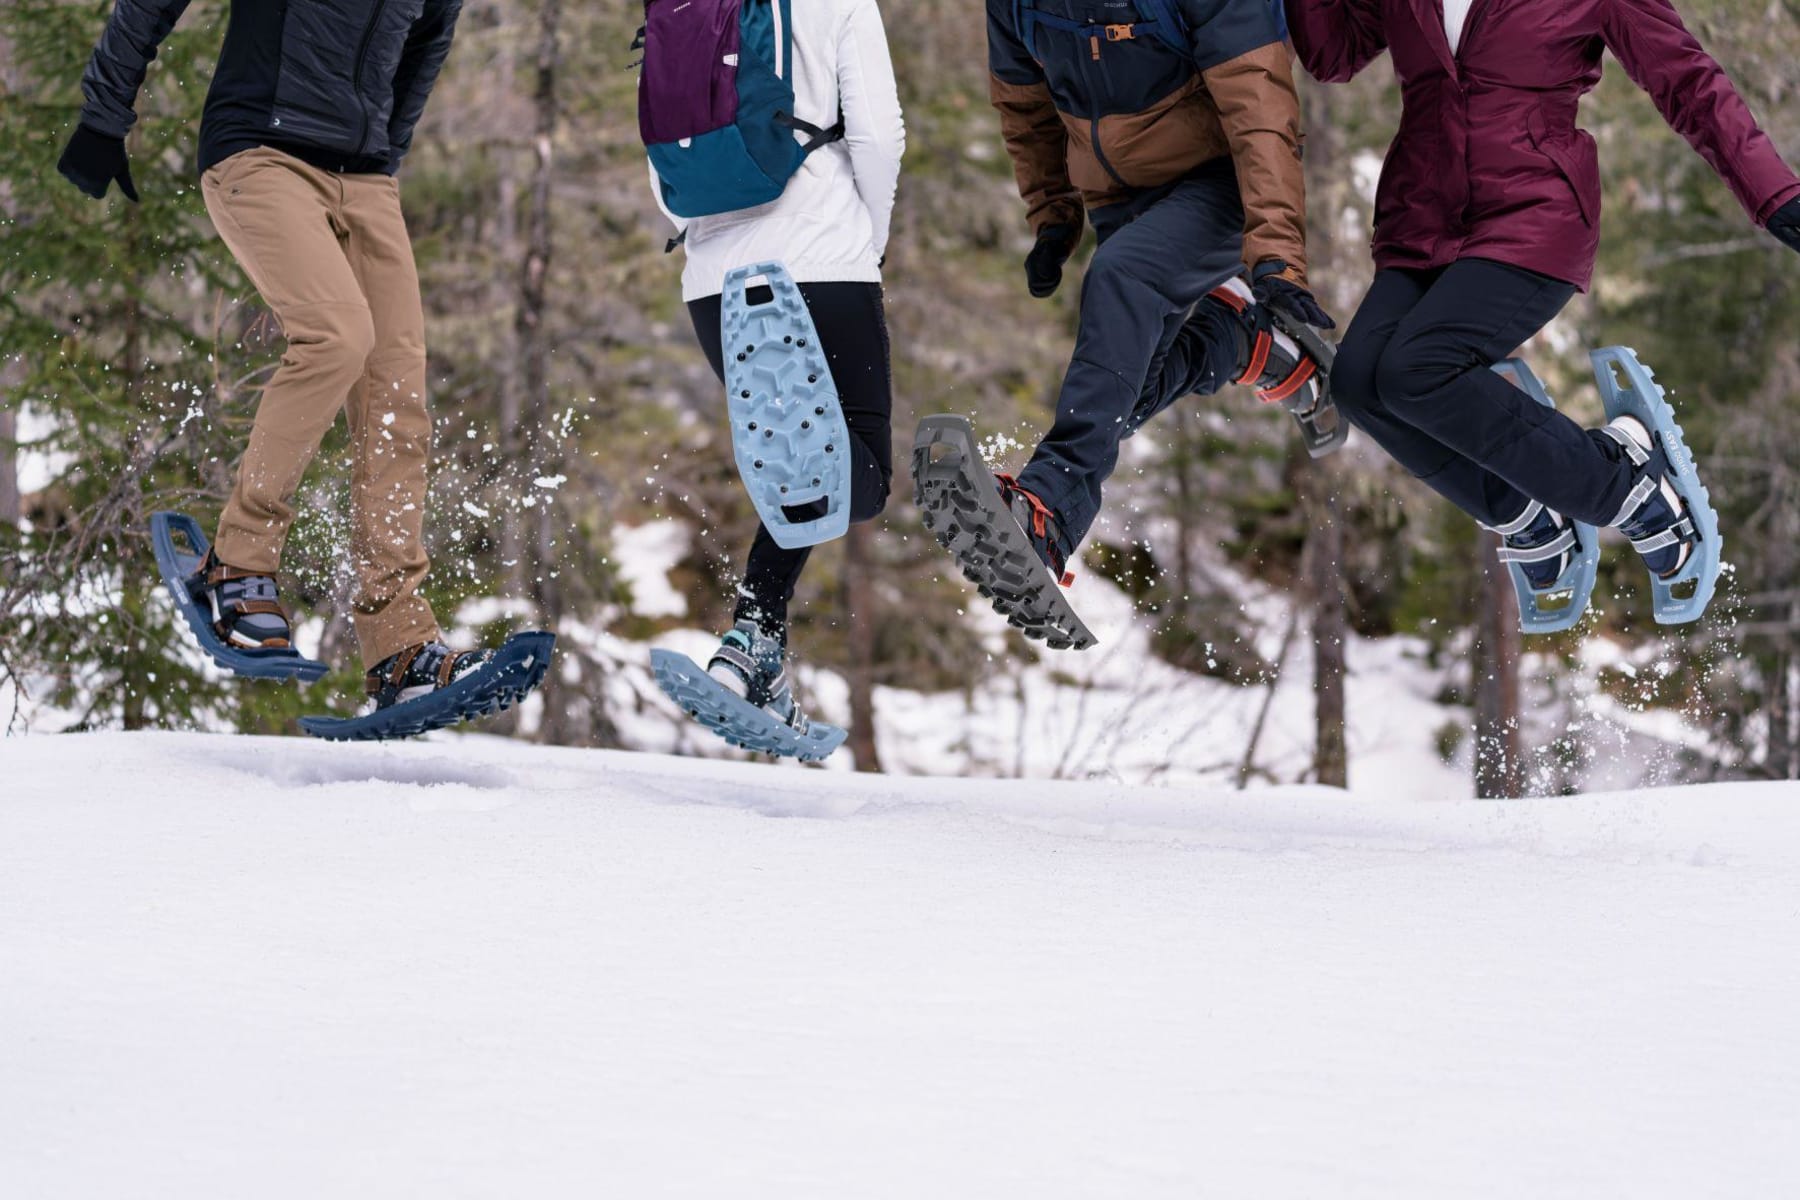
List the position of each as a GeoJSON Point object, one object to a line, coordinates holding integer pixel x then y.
{"type": "Point", "coordinates": [1576, 159]}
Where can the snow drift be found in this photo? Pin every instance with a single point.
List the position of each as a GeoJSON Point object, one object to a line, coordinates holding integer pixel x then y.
{"type": "Point", "coordinates": [239, 967]}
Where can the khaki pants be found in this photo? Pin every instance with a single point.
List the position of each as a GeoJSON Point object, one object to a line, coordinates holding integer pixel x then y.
{"type": "Point", "coordinates": [331, 257]}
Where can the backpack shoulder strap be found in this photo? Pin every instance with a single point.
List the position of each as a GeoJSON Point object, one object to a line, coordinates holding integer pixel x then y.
{"type": "Point", "coordinates": [816, 136]}
{"type": "Point", "coordinates": [1165, 20]}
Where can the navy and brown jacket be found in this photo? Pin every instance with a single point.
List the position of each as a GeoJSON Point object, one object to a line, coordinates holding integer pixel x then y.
{"type": "Point", "coordinates": [1098, 107]}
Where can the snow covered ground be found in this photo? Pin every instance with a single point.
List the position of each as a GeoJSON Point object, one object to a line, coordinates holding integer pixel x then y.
{"type": "Point", "coordinates": [471, 968]}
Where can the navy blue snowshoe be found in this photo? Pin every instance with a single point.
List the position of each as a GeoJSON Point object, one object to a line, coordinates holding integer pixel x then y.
{"type": "Point", "coordinates": [431, 686]}
{"type": "Point", "coordinates": [745, 697]}
{"type": "Point", "coordinates": [236, 616]}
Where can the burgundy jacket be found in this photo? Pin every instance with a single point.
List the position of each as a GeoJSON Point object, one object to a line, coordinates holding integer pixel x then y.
{"type": "Point", "coordinates": [1488, 162]}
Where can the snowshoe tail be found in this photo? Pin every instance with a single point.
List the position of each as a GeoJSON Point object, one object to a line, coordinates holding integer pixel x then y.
{"type": "Point", "coordinates": [962, 509]}
{"type": "Point", "coordinates": [788, 432]}
{"type": "Point", "coordinates": [735, 719]}
{"type": "Point", "coordinates": [1562, 605]}
{"type": "Point", "coordinates": [1322, 427]}
{"type": "Point", "coordinates": [1629, 388]}
{"type": "Point", "coordinates": [180, 548]}
{"type": "Point", "coordinates": [498, 684]}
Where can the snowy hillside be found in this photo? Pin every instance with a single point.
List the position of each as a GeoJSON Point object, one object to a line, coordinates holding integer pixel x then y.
{"type": "Point", "coordinates": [232, 967]}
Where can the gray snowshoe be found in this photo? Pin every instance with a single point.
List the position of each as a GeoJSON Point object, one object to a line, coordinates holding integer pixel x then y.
{"type": "Point", "coordinates": [962, 506]}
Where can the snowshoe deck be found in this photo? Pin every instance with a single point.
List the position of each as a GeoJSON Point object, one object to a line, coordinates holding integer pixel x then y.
{"type": "Point", "coordinates": [788, 432]}
{"type": "Point", "coordinates": [962, 509]}
{"type": "Point", "coordinates": [735, 719]}
{"type": "Point", "coordinates": [1562, 605]}
{"type": "Point", "coordinates": [504, 680]}
{"type": "Point", "coordinates": [180, 548]}
{"type": "Point", "coordinates": [1322, 427]}
{"type": "Point", "coordinates": [1628, 387]}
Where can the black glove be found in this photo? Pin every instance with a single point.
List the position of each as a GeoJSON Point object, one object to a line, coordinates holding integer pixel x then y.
{"type": "Point", "coordinates": [92, 160]}
{"type": "Point", "coordinates": [1286, 296]}
{"type": "Point", "coordinates": [1785, 224]}
{"type": "Point", "coordinates": [1044, 265]}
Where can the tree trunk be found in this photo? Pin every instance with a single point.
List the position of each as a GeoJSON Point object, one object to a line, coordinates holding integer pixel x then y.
{"type": "Point", "coordinates": [1499, 769]}
{"type": "Point", "coordinates": [1331, 189]}
{"type": "Point", "coordinates": [859, 632]}
{"type": "Point", "coordinates": [538, 554]}
{"type": "Point", "coordinates": [1325, 572]}
{"type": "Point", "coordinates": [10, 501]}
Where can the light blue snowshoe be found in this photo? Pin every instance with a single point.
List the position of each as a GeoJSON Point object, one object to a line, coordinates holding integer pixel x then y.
{"type": "Point", "coordinates": [1629, 390]}
{"type": "Point", "coordinates": [1540, 541]}
{"type": "Point", "coordinates": [787, 429]}
{"type": "Point", "coordinates": [745, 697]}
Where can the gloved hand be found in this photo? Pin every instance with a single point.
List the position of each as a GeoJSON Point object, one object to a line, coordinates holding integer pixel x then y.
{"type": "Point", "coordinates": [1044, 265]}
{"type": "Point", "coordinates": [1785, 224]}
{"type": "Point", "coordinates": [93, 160]}
{"type": "Point", "coordinates": [1286, 296]}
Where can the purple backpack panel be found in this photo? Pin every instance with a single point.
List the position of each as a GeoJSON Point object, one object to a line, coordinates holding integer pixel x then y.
{"type": "Point", "coordinates": [685, 39]}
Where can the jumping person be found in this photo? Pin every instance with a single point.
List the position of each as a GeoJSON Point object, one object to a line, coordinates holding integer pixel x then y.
{"type": "Point", "coordinates": [1174, 129]}
{"type": "Point", "coordinates": [829, 227]}
{"type": "Point", "coordinates": [310, 114]}
{"type": "Point", "coordinates": [1487, 223]}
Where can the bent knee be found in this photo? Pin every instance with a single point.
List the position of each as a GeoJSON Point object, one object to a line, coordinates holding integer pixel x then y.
{"type": "Point", "coordinates": [867, 507]}
{"type": "Point", "coordinates": [1353, 374]}
{"type": "Point", "coordinates": [1413, 372]}
{"type": "Point", "coordinates": [339, 338]}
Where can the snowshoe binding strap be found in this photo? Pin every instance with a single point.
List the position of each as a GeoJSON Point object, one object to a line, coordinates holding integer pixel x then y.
{"type": "Point", "coordinates": [1279, 381]}
{"type": "Point", "coordinates": [236, 597]}
{"type": "Point", "coordinates": [427, 667]}
{"type": "Point", "coordinates": [1041, 521]}
{"type": "Point", "coordinates": [1649, 540]}
{"type": "Point", "coordinates": [387, 681]}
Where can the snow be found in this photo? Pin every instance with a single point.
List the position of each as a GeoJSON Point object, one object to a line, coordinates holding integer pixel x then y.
{"type": "Point", "coordinates": [471, 967]}
{"type": "Point", "coordinates": [645, 554]}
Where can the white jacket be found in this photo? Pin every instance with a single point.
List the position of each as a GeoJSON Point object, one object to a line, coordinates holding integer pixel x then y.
{"type": "Point", "coordinates": [831, 224]}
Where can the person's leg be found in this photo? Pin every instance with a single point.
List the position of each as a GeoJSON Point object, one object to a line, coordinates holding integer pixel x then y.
{"type": "Point", "coordinates": [275, 215]}
{"type": "Point", "coordinates": [771, 572]}
{"type": "Point", "coordinates": [852, 322]}
{"type": "Point", "coordinates": [390, 428]}
{"type": "Point", "coordinates": [1436, 375]}
{"type": "Point", "coordinates": [1139, 288]}
{"type": "Point", "coordinates": [1394, 297]}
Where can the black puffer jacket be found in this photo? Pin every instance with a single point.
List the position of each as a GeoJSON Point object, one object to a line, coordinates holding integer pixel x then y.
{"type": "Point", "coordinates": [341, 83]}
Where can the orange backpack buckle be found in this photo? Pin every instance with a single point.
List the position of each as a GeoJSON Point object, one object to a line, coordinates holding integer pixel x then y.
{"type": "Point", "coordinates": [1121, 33]}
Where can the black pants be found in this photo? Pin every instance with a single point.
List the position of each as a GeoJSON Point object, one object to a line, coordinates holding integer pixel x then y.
{"type": "Point", "coordinates": [852, 324]}
{"type": "Point", "coordinates": [1136, 351]}
{"type": "Point", "coordinates": [1414, 373]}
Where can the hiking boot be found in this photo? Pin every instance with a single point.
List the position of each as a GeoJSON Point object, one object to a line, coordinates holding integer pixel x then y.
{"type": "Point", "coordinates": [752, 666]}
{"type": "Point", "coordinates": [246, 609]}
{"type": "Point", "coordinates": [418, 671]}
{"type": "Point", "coordinates": [1542, 542]}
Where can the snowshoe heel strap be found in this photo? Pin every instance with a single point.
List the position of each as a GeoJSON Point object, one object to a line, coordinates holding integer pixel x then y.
{"type": "Point", "coordinates": [385, 686]}
{"type": "Point", "coordinates": [1680, 533]}
{"type": "Point", "coordinates": [1554, 548]}
{"type": "Point", "coordinates": [1521, 524]}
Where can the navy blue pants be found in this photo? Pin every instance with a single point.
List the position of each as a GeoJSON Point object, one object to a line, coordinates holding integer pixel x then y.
{"type": "Point", "coordinates": [1136, 353]}
{"type": "Point", "coordinates": [1414, 372]}
{"type": "Point", "coordinates": [852, 322]}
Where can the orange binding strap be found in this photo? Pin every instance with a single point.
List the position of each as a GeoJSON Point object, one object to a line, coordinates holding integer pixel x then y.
{"type": "Point", "coordinates": [1259, 357]}
{"type": "Point", "coordinates": [1305, 371]}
